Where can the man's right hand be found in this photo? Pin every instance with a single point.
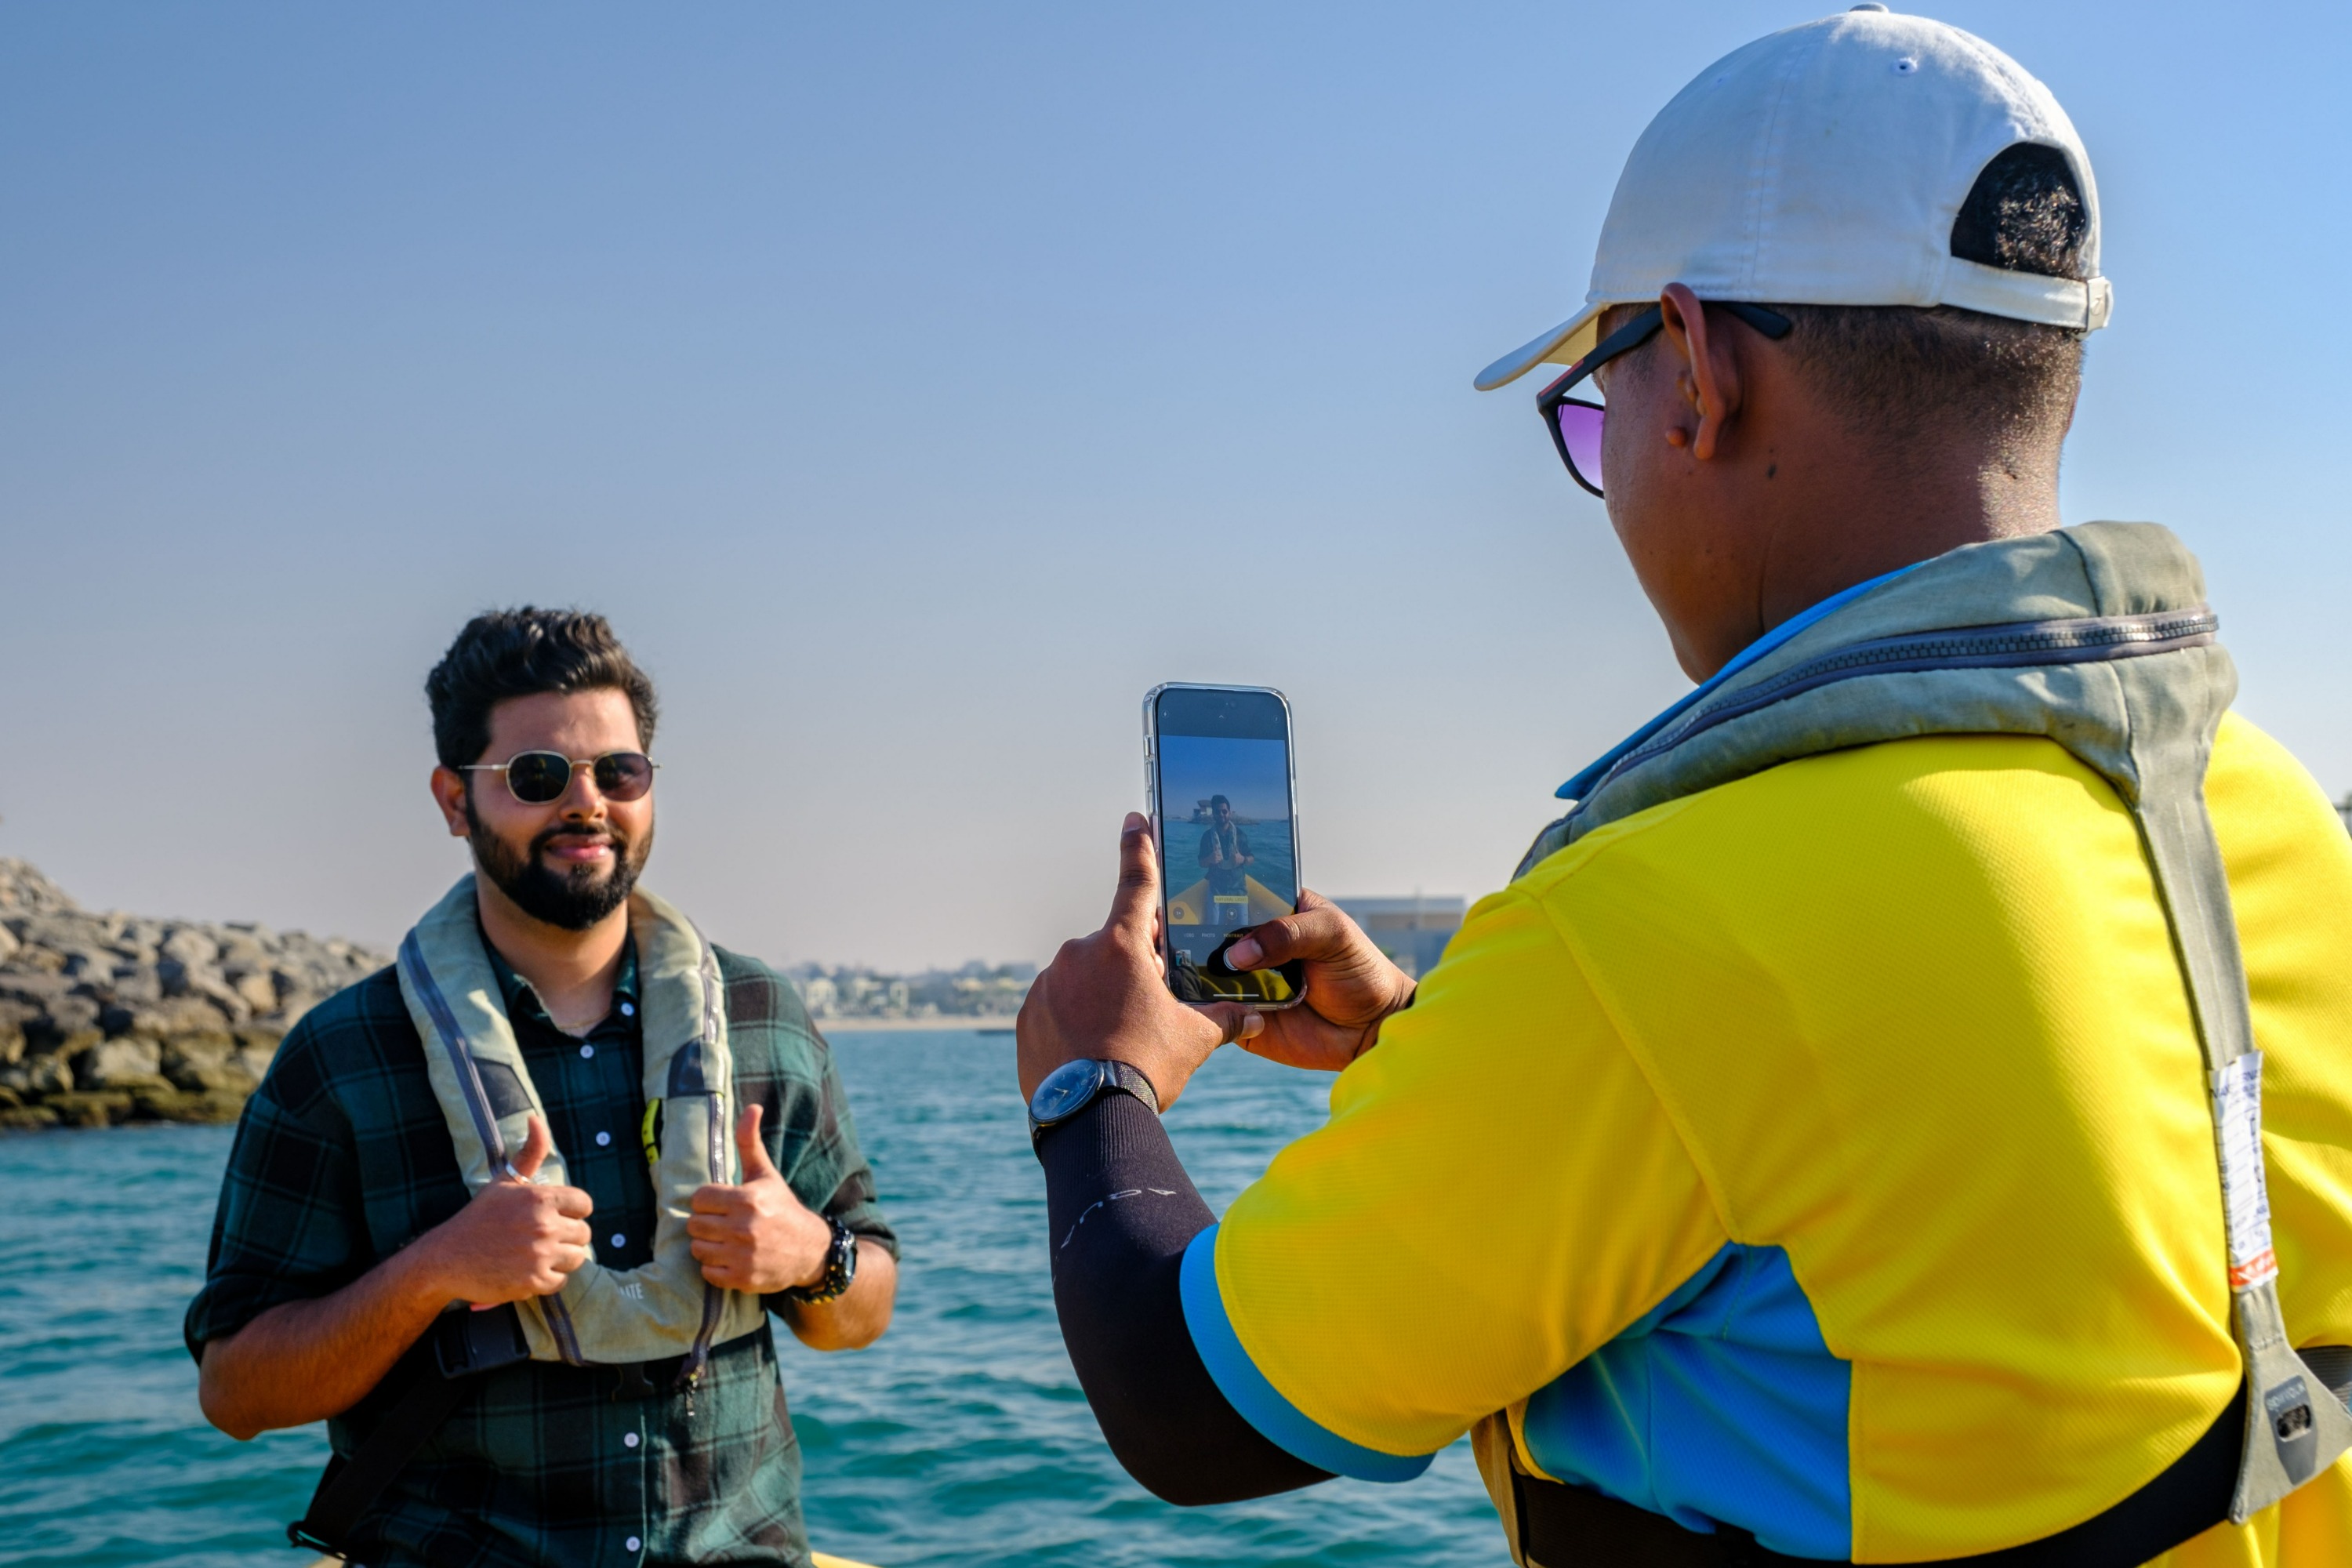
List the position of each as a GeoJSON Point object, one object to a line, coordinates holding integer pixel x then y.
{"type": "Point", "coordinates": [304, 1361]}
{"type": "Point", "coordinates": [1352, 986]}
{"type": "Point", "coordinates": [515, 1240]}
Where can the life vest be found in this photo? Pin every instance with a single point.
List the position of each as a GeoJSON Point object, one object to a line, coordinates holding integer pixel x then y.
{"type": "Point", "coordinates": [601, 1315]}
{"type": "Point", "coordinates": [2097, 637]}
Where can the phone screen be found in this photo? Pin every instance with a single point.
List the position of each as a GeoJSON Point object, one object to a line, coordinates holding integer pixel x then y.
{"type": "Point", "coordinates": [1220, 789]}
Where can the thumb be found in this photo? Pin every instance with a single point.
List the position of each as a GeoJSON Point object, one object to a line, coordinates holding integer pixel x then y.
{"type": "Point", "coordinates": [536, 1147]}
{"type": "Point", "coordinates": [1235, 1021]}
{"type": "Point", "coordinates": [757, 1166]}
{"type": "Point", "coordinates": [1137, 897]}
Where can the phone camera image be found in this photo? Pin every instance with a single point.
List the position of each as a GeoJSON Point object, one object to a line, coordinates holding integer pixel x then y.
{"type": "Point", "coordinates": [1227, 836]}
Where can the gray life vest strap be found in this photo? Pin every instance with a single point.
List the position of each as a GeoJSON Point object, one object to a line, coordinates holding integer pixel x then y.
{"type": "Point", "coordinates": [2096, 637]}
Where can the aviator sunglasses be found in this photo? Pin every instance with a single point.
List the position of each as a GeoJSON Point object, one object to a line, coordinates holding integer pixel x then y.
{"type": "Point", "coordinates": [539, 778]}
{"type": "Point", "coordinates": [1576, 424]}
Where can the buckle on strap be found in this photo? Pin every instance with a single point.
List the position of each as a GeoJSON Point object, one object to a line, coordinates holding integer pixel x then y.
{"type": "Point", "coordinates": [467, 1343]}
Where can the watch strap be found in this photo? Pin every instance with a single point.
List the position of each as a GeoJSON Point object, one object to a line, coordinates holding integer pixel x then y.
{"type": "Point", "coordinates": [840, 1270]}
{"type": "Point", "coordinates": [1134, 1081]}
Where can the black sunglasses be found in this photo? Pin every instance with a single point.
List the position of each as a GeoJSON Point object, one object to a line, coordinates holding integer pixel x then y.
{"type": "Point", "coordinates": [539, 778]}
{"type": "Point", "coordinates": [1576, 424]}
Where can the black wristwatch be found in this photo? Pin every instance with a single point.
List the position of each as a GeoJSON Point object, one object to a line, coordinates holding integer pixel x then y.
{"type": "Point", "coordinates": [1072, 1087]}
{"type": "Point", "coordinates": [840, 1269]}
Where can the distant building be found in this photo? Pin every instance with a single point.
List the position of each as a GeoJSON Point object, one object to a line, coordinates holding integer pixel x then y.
{"type": "Point", "coordinates": [977, 990]}
{"type": "Point", "coordinates": [818, 991]}
{"type": "Point", "coordinates": [1413, 932]}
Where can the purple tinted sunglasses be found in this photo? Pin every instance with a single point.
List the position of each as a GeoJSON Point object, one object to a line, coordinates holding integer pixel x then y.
{"type": "Point", "coordinates": [1575, 425]}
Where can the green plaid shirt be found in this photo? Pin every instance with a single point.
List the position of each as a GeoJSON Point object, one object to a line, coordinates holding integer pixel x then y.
{"type": "Point", "coordinates": [343, 1157]}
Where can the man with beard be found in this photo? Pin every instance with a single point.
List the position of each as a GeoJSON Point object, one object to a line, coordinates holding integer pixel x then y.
{"type": "Point", "coordinates": [511, 1216]}
{"type": "Point", "coordinates": [1225, 860]}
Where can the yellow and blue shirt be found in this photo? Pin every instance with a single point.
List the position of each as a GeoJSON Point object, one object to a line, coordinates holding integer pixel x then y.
{"type": "Point", "coordinates": [1827, 1153]}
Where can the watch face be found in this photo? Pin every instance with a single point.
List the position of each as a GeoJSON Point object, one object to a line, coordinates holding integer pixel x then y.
{"type": "Point", "coordinates": [1065, 1089]}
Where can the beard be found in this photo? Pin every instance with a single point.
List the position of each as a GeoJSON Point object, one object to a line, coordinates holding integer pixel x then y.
{"type": "Point", "coordinates": [570, 901]}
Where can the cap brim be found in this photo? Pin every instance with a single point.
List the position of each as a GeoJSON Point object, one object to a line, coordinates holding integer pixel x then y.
{"type": "Point", "coordinates": [1564, 344]}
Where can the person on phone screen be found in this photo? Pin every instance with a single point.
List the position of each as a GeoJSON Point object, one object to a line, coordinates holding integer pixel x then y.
{"type": "Point", "coordinates": [647, 1155]}
{"type": "Point", "coordinates": [1226, 859]}
{"type": "Point", "coordinates": [1818, 1150]}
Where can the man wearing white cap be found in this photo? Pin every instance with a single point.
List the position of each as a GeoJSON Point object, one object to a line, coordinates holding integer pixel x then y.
{"type": "Point", "coordinates": [1900, 1113]}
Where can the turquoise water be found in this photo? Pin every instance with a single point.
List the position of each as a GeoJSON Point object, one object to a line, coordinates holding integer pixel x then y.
{"type": "Point", "coordinates": [960, 1438]}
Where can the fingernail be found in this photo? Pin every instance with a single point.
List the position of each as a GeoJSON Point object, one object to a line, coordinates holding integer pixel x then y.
{"type": "Point", "coordinates": [1252, 1027]}
{"type": "Point", "coordinates": [1135, 823]}
{"type": "Point", "coordinates": [1245, 953]}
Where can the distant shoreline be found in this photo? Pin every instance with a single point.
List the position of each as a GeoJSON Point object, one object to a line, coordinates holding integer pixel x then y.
{"type": "Point", "coordinates": [912, 1026]}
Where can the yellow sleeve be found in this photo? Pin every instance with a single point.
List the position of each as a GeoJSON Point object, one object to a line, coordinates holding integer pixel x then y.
{"type": "Point", "coordinates": [1497, 1194]}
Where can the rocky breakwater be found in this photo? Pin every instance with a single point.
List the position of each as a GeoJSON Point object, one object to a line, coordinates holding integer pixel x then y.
{"type": "Point", "coordinates": [107, 1018]}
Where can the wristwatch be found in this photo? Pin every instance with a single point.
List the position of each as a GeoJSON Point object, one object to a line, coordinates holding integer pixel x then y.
{"type": "Point", "coordinates": [1072, 1087]}
{"type": "Point", "coordinates": [840, 1269]}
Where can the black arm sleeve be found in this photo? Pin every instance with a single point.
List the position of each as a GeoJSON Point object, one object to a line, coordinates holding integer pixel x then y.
{"type": "Point", "coordinates": [1121, 1210]}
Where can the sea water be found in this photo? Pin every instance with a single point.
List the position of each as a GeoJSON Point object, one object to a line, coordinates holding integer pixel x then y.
{"type": "Point", "coordinates": [960, 1438]}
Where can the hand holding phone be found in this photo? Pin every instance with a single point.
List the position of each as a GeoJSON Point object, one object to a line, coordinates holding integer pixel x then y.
{"type": "Point", "coordinates": [1105, 995]}
{"type": "Point", "coordinates": [1351, 984]}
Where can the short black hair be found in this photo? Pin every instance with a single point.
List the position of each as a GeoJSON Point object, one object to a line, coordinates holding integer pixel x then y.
{"type": "Point", "coordinates": [1901, 371]}
{"type": "Point", "coordinates": [1904, 371]}
{"type": "Point", "coordinates": [502, 654]}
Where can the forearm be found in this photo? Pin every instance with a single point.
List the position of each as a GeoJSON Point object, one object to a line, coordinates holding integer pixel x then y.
{"type": "Point", "coordinates": [307, 1361]}
{"type": "Point", "coordinates": [1121, 1211]}
{"type": "Point", "coordinates": [855, 1318]}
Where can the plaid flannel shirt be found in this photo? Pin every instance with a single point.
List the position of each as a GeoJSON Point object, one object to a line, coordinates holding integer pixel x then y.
{"type": "Point", "coordinates": [344, 1156]}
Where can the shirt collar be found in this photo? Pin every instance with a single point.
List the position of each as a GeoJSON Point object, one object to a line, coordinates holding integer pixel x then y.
{"type": "Point", "coordinates": [522, 998]}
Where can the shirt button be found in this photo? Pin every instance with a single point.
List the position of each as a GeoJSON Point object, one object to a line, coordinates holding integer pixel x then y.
{"type": "Point", "coordinates": [629, 1441]}
{"type": "Point", "coordinates": [628, 1009]}
{"type": "Point", "coordinates": [587, 1051]}
{"type": "Point", "coordinates": [631, 1545]}
{"type": "Point", "coordinates": [602, 1139]}
{"type": "Point", "coordinates": [620, 1240]}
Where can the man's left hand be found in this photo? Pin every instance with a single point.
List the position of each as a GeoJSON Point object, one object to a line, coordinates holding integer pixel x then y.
{"type": "Point", "coordinates": [1103, 995]}
{"type": "Point", "coordinates": [757, 1235]}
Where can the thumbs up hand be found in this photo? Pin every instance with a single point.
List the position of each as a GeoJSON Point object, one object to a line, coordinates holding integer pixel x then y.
{"type": "Point", "coordinates": [515, 1239]}
{"type": "Point", "coordinates": [756, 1234]}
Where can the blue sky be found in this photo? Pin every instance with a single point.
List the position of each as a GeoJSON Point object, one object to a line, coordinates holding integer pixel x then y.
{"type": "Point", "coordinates": [875, 369]}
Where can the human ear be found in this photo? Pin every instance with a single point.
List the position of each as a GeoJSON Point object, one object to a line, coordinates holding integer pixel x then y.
{"type": "Point", "coordinates": [450, 793]}
{"type": "Point", "coordinates": [1708, 374]}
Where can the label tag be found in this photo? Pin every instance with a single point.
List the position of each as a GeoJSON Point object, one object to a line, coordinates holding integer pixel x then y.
{"type": "Point", "coordinates": [2245, 1197]}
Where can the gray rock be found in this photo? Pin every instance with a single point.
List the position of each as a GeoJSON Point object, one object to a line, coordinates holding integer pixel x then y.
{"type": "Point", "coordinates": [193, 947]}
{"type": "Point", "coordinates": [23, 889]}
{"type": "Point", "coordinates": [37, 1077]}
{"type": "Point", "coordinates": [127, 1063]}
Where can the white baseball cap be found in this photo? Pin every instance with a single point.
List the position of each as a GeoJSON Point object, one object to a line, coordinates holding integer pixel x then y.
{"type": "Point", "coordinates": [1824, 165]}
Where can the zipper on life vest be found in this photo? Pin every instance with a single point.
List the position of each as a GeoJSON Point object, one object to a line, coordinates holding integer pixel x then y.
{"type": "Point", "coordinates": [2078, 641]}
{"type": "Point", "coordinates": [714, 1299]}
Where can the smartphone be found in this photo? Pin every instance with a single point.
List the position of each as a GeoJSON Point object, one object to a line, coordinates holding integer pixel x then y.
{"type": "Point", "coordinates": [1216, 763]}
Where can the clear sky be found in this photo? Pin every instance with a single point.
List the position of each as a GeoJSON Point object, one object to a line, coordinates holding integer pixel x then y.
{"type": "Point", "coordinates": [888, 373]}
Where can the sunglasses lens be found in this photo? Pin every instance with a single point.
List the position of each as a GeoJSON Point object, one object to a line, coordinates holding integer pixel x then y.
{"type": "Point", "coordinates": [1579, 437]}
{"type": "Point", "coordinates": [624, 776]}
{"type": "Point", "coordinates": [537, 778]}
